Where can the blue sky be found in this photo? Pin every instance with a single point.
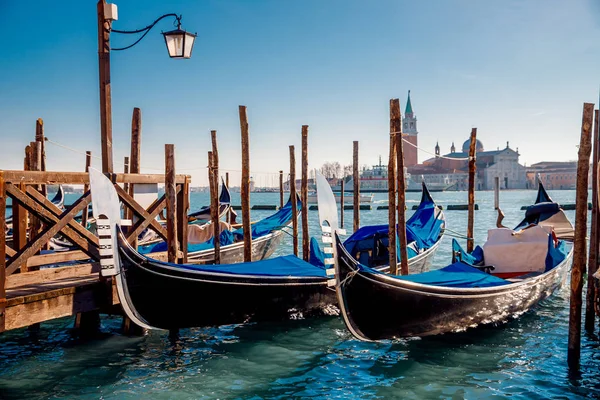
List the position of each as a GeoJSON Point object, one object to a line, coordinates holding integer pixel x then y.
{"type": "Point", "coordinates": [519, 71]}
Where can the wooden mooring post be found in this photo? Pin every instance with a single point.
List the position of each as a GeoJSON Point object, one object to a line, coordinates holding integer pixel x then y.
{"type": "Point", "coordinates": [472, 169]}
{"type": "Point", "coordinates": [342, 204]}
{"type": "Point", "coordinates": [214, 195]}
{"type": "Point", "coordinates": [245, 185]}
{"type": "Point", "coordinates": [293, 198]}
{"type": "Point", "coordinates": [579, 247]}
{"type": "Point", "coordinates": [39, 137]}
{"type": "Point", "coordinates": [401, 187]}
{"type": "Point", "coordinates": [86, 187]}
{"type": "Point", "coordinates": [280, 189]}
{"type": "Point", "coordinates": [356, 179]}
{"type": "Point", "coordinates": [393, 257]}
{"type": "Point", "coordinates": [496, 193]}
{"type": "Point", "coordinates": [2, 254]}
{"type": "Point", "coordinates": [135, 158]}
{"type": "Point", "coordinates": [590, 313]}
{"type": "Point", "coordinates": [304, 195]}
{"type": "Point", "coordinates": [228, 217]}
{"type": "Point", "coordinates": [171, 197]}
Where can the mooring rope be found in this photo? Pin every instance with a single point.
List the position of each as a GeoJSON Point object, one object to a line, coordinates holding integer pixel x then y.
{"type": "Point", "coordinates": [457, 234]}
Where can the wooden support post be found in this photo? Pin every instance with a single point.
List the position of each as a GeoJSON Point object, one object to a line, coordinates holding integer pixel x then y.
{"type": "Point", "coordinates": [214, 205]}
{"type": "Point", "coordinates": [280, 189]}
{"type": "Point", "coordinates": [171, 202]}
{"type": "Point", "coordinates": [135, 153]}
{"type": "Point", "coordinates": [104, 27]}
{"type": "Point", "coordinates": [304, 195]}
{"type": "Point", "coordinates": [39, 137]}
{"type": "Point", "coordinates": [293, 198]}
{"type": "Point", "coordinates": [496, 193]}
{"type": "Point", "coordinates": [87, 324]}
{"type": "Point", "coordinates": [590, 302]}
{"type": "Point", "coordinates": [401, 186]}
{"type": "Point", "coordinates": [579, 247]}
{"type": "Point", "coordinates": [245, 187]}
{"type": "Point", "coordinates": [2, 252]}
{"type": "Point", "coordinates": [86, 187]}
{"type": "Point", "coordinates": [342, 204]}
{"type": "Point", "coordinates": [356, 186]}
{"type": "Point", "coordinates": [393, 256]}
{"type": "Point", "coordinates": [20, 214]}
{"type": "Point", "coordinates": [183, 207]}
{"type": "Point", "coordinates": [126, 171]}
{"type": "Point", "coordinates": [228, 218]}
{"type": "Point", "coordinates": [472, 169]}
{"type": "Point", "coordinates": [35, 224]}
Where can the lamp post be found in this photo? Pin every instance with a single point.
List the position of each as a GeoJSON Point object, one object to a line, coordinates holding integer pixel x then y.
{"type": "Point", "coordinates": [179, 45]}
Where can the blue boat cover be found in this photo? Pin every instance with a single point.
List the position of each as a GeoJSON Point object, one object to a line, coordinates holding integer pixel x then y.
{"type": "Point", "coordinates": [224, 199]}
{"type": "Point", "coordinates": [457, 275]}
{"type": "Point", "coordinates": [555, 255]}
{"type": "Point", "coordinates": [279, 266]}
{"type": "Point", "coordinates": [317, 257]}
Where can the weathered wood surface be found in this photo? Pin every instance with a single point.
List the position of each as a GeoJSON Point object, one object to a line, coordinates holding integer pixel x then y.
{"type": "Point", "coordinates": [79, 178]}
{"type": "Point", "coordinates": [3, 248]}
{"type": "Point", "coordinates": [342, 204]}
{"type": "Point", "coordinates": [104, 27]}
{"type": "Point", "coordinates": [171, 197]}
{"type": "Point", "coordinates": [88, 164]}
{"type": "Point", "coordinates": [579, 247]}
{"type": "Point", "coordinates": [590, 314]}
{"type": "Point", "coordinates": [293, 199]}
{"type": "Point", "coordinates": [304, 195]}
{"type": "Point", "coordinates": [214, 207]}
{"type": "Point", "coordinates": [245, 184]}
{"type": "Point", "coordinates": [280, 189]}
{"type": "Point", "coordinates": [52, 275]}
{"type": "Point", "coordinates": [393, 256]}
{"type": "Point", "coordinates": [401, 186]}
{"type": "Point", "coordinates": [472, 170]}
{"type": "Point", "coordinates": [147, 218]}
{"type": "Point", "coordinates": [183, 208]}
{"type": "Point", "coordinates": [356, 178]}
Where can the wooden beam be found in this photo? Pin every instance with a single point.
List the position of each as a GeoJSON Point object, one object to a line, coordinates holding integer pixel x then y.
{"type": "Point", "coordinates": [48, 233]}
{"type": "Point", "coordinates": [79, 178]}
{"type": "Point", "coordinates": [401, 185]}
{"type": "Point", "coordinates": [304, 195]}
{"type": "Point", "coordinates": [88, 163]}
{"type": "Point", "coordinates": [148, 220]}
{"type": "Point", "coordinates": [171, 202]}
{"type": "Point", "coordinates": [590, 314]}
{"type": "Point", "coordinates": [245, 184]}
{"type": "Point", "coordinates": [393, 256]}
{"type": "Point", "coordinates": [356, 185]}
{"type": "Point", "coordinates": [52, 274]}
{"type": "Point", "coordinates": [142, 223]}
{"type": "Point", "coordinates": [472, 169]}
{"type": "Point", "coordinates": [104, 27]}
{"type": "Point", "coordinates": [293, 198]}
{"type": "Point", "coordinates": [56, 258]}
{"type": "Point", "coordinates": [183, 208]}
{"type": "Point", "coordinates": [579, 247]}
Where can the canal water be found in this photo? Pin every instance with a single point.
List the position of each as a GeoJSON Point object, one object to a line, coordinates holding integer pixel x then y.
{"type": "Point", "coordinates": [314, 357]}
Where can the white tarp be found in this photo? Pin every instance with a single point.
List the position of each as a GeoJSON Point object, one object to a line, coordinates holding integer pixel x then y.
{"type": "Point", "coordinates": [524, 251]}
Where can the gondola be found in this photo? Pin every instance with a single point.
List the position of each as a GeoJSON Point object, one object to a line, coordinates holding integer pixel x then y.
{"type": "Point", "coordinates": [424, 231]}
{"type": "Point", "coordinates": [463, 295]}
{"type": "Point", "coordinates": [203, 216]}
{"type": "Point", "coordinates": [162, 295]}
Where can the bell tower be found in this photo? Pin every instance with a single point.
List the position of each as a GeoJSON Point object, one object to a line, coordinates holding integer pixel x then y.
{"type": "Point", "coordinates": [409, 132]}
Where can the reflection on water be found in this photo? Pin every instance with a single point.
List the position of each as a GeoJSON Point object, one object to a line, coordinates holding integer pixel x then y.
{"type": "Point", "coordinates": [525, 358]}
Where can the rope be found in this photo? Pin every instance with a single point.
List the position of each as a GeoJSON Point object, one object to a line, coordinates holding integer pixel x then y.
{"type": "Point", "coordinates": [457, 234]}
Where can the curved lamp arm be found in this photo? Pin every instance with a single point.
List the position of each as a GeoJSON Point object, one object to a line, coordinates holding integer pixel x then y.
{"type": "Point", "coordinates": [146, 30]}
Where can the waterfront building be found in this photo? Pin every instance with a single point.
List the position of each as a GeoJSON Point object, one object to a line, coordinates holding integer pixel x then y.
{"type": "Point", "coordinates": [553, 174]}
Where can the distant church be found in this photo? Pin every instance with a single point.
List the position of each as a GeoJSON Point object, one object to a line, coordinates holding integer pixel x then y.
{"type": "Point", "coordinates": [451, 170]}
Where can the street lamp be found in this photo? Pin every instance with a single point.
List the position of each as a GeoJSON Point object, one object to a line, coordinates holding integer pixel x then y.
{"type": "Point", "coordinates": [179, 45]}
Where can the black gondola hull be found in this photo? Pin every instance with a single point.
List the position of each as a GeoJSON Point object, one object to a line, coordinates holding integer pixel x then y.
{"type": "Point", "coordinates": [376, 306]}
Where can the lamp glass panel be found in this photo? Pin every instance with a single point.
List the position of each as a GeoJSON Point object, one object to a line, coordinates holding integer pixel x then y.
{"type": "Point", "coordinates": [175, 44]}
{"type": "Point", "coordinates": [189, 44]}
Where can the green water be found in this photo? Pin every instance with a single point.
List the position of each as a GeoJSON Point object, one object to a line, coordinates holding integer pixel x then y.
{"type": "Point", "coordinates": [524, 359]}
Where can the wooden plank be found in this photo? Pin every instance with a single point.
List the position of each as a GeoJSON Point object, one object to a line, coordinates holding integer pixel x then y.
{"type": "Point", "coordinates": [52, 274]}
{"type": "Point", "coordinates": [472, 169]}
{"type": "Point", "coordinates": [579, 247]}
{"type": "Point", "coordinates": [304, 195]}
{"type": "Point", "coordinates": [401, 185]}
{"type": "Point", "coordinates": [590, 314]}
{"type": "Point", "coordinates": [356, 177]}
{"type": "Point", "coordinates": [20, 220]}
{"type": "Point", "coordinates": [88, 163]}
{"type": "Point", "coordinates": [245, 184]}
{"type": "Point", "coordinates": [56, 258]}
{"type": "Point", "coordinates": [35, 224]}
{"type": "Point", "coordinates": [142, 223]}
{"type": "Point", "coordinates": [171, 197]}
{"type": "Point", "coordinates": [143, 214]}
{"type": "Point", "coordinates": [79, 178]}
{"type": "Point", "coordinates": [393, 256]}
{"type": "Point", "coordinates": [48, 233]}
{"type": "Point", "coordinates": [293, 197]}
{"type": "Point", "coordinates": [46, 209]}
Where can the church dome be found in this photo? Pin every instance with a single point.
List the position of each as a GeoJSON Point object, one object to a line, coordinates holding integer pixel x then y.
{"type": "Point", "coordinates": [467, 144]}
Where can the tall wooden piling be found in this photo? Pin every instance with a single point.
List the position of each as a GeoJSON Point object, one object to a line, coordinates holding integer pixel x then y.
{"type": "Point", "coordinates": [342, 204]}
{"type": "Point", "coordinates": [393, 256]}
{"type": "Point", "coordinates": [126, 171]}
{"type": "Point", "coordinates": [39, 137]}
{"type": "Point", "coordinates": [472, 169]}
{"type": "Point", "coordinates": [293, 198]}
{"type": "Point", "coordinates": [2, 251]}
{"type": "Point", "coordinates": [304, 194]}
{"type": "Point", "coordinates": [280, 189]}
{"type": "Point", "coordinates": [214, 205]}
{"type": "Point", "coordinates": [590, 313]}
{"type": "Point", "coordinates": [579, 247]}
{"type": "Point", "coordinates": [35, 165]}
{"type": "Point", "coordinates": [86, 187]}
{"type": "Point", "coordinates": [228, 218]}
{"type": "Point", "coordinates": [356, 179]}
{"type": "Point", "coordinates": [496, 193]}
{"type": "Point", "coordinates": [245, 186]}
{"type": "Point", "coordinates": [401, 186]}
{"type": "Point", "coordinates": [135, 157]}
{"type": "Point", "coordinates": [170, 195]}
